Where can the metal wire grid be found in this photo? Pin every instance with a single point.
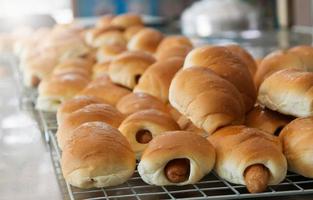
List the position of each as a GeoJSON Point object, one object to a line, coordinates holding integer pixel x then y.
{"type": "Point", "coordinates": [210, 187]}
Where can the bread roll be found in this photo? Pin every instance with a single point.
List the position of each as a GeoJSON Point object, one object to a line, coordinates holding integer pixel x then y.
{"type": "Point", "coordinates": [141, 127]}
{"type": "Point", "coordinates": [108, 52]}
{"type": "Point", "coordinates": [288, 91]}
{"type": "Point", "coordinates": [298, 57]}
{"type": "Point", "coordinates": [127, 20]}
{"type": "Point", "coordinates": [147, 39]}
{"type": "Point", "coordinates": [77, 62]}
{"type": "Point", "coordinates": [174, 51]}
{"type": "Point", "coordinates": [227, 65]}
{"type": "Point", "coordinates": [91, 34]}
{"type": "Point", "coordinates": [249, 156]}
{"type": "Point", "coordinates": [174, 40]}
{"type": "Point", "coordinates": [245, 57]}
{"type": "Point", "coordinates": [98, 156]}
{"type": "Point", "coordinates": [52, 92]}
{"type": "Point", "coordinates": [297, 139]}
{"type": "Point", "coordinates": [109, 38]}
{"type": "Point", "coordinates": [38, 68]}
{"type": "Point", "coordinates": [71, 105]}
{"type": "Point", "coordinates": [157, 78]}
{"type": "Point", "coordinates": [127, 68]}
{"type": "Point", "coordinates": [104, 21]}
{"type": "Point", "coordinates": [173, 159]}
{"type": "Point", "coordinates": [131, 31]}
{"type": "Point", "coordinates": [75, 70]}
{"type": "Point", "coordinates": [100, 69]}
{"type": "Point", "coordinates": [90, 113]}
{"type": "Point", "coordinates": [135, 102]}
{"type": "Point", "coordinates": [101, 79]}
{"type": "Point", "coordinates": [267, 120]}
{"type": "Point", "coordinates": [108, 92]}
{"type": "Point", "coordinates": [208, 100]}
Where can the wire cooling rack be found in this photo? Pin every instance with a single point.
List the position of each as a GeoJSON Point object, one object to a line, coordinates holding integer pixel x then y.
{"type": "Point", "coordinates": [210, 187]}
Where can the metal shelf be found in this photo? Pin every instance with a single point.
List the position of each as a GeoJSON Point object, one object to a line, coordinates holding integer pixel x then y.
{"type": "Point", "coordinates": [210, 187]}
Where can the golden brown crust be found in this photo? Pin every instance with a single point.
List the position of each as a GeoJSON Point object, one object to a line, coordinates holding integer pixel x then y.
{"type": "Point", "coordinates": [239, 147]}
{"type": "Point", "coordinates": [135, 102]}
{"type": "Point", "coordinates": [228, 66]}
{"type": "Point", "coordinates": [104, 21]}
{"type": "Point", "coordinates": [288, 91]}
{"type": "Point", "coordinates": [174, 51]}
{"type": "Point", "coordinates": [176, 145]}
{"type": "Point", "coordinates": [106, 91]}
{"type": "Point", "coordinates": [107, 53]}
{"type": "Point", "coordinates": [245, 57]}
{"type": "Point", "coordinates": [127, 20]}
{"type": "Point", "coordinates": [157, 78]}
{"type": "Point", "coordinates": [147, 39]}
{"type": "Point", "coordinates": [127, 68]}
{"type": "Point", "coordinates": [97, 156]}
{"type": "Point", "coordinates": [131, 31]}
{"type": "Point", "coordinates": [208, 100]}
{"type": "Point", "coordinates": [93, 112]}
{"type": "Point", "coordinates": [299, 57]}
{"type": "Point", "coordinates": [74, 104]}
{"type": "Point", "coordinates": [297, 139]}
{"type": "Point", "coordinates": [100, 69]}
{"type": "Point", "coordinates": [174, 40]}
{"type": "Point", "coordinates": [266, 120]}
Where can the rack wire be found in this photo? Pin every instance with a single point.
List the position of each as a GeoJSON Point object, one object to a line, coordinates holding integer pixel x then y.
{"type": "Point", "coordinates": [210, 187]}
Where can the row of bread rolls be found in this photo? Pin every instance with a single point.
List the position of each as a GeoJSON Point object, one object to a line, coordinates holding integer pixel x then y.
{"type": "Point", "coordinates": [86, 115]}
{"type": "Point", "coordinates": [168, 97]}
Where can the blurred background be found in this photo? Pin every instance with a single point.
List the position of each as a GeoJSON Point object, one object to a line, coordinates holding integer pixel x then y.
{"type": "Point", "coordinates": [268, 24]}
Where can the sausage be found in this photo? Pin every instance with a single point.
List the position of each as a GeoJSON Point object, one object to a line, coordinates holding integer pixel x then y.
{"type": "Point", "coordinates": [143, 136]}
{"type": "Point", "coordinates": [177, 170]}
{"type": "Point", "coordinates": [35, 81]}
{"type": "Point", "coordinates": [256, 178]}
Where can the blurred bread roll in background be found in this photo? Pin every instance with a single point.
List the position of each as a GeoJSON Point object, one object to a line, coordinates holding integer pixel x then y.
{"type": "Point", "coordinates": [127, 20]}
{"type": "Point", "coordinates": [104, 21]}
{"type": "Point", "coordinates": [172, 52]}
{"type": "Point", "coordinates": [147, 40]}
{"type": "Point", "coordinates": [106, 53]}
{"type": "Point", "coordinates": [131, 31]}
{"type": "Point", "coordinates": [57, 89]}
